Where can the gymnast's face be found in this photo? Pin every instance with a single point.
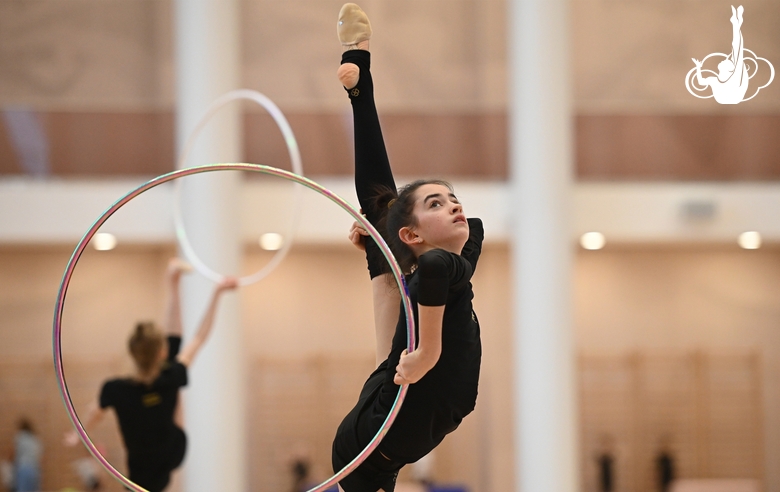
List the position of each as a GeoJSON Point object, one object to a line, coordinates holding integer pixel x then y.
{"type": "Point", "coordinates": [440, 220]}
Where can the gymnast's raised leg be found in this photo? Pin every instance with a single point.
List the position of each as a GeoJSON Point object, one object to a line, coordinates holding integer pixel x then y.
{"type": "Point", "coordinates": [372, 166]}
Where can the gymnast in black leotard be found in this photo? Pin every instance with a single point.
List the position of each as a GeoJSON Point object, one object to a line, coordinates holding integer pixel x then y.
{"type": "Point", "coordinates": [146, 403]}
{"type": "Point", "coordinates": [424, 225]}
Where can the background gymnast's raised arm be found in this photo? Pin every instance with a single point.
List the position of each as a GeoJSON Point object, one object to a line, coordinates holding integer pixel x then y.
{"type": "Point", "coordinates": [96, 413]}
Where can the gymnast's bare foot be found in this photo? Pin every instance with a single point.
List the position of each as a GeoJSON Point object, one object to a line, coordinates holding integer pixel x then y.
{"type": "Point", "coordinates": [354, 31]}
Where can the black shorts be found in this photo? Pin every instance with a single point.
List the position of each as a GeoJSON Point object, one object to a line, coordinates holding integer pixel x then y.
{"type": "Point", "coordinates": [153, 471]}
{"type": "Point", "coordinates": [355, 432]}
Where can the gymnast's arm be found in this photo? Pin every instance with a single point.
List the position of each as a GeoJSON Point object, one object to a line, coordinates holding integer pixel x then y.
{"type": "Point", "coordinates": [701, 80]}
{"type": "Point", "coordinates": [173, 309]}
{"type": "Point", "coordinates": [435, 269]}
{"type": "Point", "coordinates": [412, 367]}
{"type": "Point", "coordinates": [386, 299]}
{"type": "Point", "coordinates": [95, 415]}
{"type": "Point", "coordinates": [190, 350]}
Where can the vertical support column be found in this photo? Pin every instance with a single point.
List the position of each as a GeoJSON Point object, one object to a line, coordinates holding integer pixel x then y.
{"type": "Point", "coordinates": [208, 65]}
{"type": "Point", "coordinates": [540, 182]}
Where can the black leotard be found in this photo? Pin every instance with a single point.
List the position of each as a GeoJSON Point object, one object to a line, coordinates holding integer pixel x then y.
{"type": "Point", "coordinates": [436, 404]}
{"type": "Point", "coordinates": [155, 444]}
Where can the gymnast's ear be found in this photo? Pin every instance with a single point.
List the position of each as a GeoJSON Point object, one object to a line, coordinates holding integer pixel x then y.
{"type": "Point", "coordinates": [407, 236]}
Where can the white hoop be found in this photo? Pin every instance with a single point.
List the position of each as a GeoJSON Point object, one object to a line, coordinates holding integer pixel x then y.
{"type": "Point", "coordinates": [297, 167]}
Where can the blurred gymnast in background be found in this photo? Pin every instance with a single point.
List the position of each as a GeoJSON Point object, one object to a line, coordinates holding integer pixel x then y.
{"type": "Point", "coordinates": [146, 402]}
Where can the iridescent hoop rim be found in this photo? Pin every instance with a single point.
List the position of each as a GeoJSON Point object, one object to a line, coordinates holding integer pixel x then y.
{"type": "Point", "coordinates": [81, 246]}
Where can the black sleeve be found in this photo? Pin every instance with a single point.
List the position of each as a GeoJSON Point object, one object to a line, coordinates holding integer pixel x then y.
{"type": "Point", "coordinates": [438, 269]}
{"type": "Point", "coordinates": [174, 344]}
{"type": "Point", "coordinates": [107, 395]}
{"type": "Point", "coordinates": [473, 247]}
{"type": "Point", "coordinates": [372, 166]}
{"type": "Point", "coordinates": [174, 374]}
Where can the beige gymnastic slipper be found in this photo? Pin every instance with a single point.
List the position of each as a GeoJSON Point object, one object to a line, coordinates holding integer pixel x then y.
{"type": "Point", "coordinates": [353, 26]}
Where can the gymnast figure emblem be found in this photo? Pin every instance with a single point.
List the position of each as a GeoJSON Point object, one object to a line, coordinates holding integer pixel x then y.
{"type": "Point", "coordinates": [730, 84]}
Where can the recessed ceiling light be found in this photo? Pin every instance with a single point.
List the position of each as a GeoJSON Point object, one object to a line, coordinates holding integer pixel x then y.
{"type": "Point", "coordinates": [104, 241]}
{"type": "Point", "coordinates": [592, 240]}
{"type": "Point", "coordinates": [750, 240]}
{"type": "Point", "coordinates": [271, 241]}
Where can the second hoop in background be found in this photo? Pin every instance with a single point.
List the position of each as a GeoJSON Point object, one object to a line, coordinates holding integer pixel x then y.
{"type": "Point", "coordinates": [297, 168]}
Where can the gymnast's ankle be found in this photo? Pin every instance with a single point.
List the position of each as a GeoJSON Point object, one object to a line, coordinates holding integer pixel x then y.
{"type": "Point", "coordinates": [363, 45]}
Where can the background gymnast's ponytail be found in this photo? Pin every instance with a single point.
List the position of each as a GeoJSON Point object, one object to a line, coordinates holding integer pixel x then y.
{"type": "Point", "coordinates": [145, 344]}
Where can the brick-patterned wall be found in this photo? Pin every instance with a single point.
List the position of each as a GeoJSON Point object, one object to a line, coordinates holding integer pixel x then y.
{"type": "Point", "coordinates": [704, 409]}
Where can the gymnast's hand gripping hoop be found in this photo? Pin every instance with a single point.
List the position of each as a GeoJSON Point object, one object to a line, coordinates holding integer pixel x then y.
{"type": "Point", "coordinates": [60, 304]}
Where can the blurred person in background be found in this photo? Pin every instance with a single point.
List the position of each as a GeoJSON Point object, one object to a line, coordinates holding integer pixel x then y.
{"type": "Point", "coordinates": [665, 466]}
{"type": "Point", "coordinates": [26, 458]}
{"type": "Point", "coordinates": [605, 461]}
{"type": "Point", "coordinates": [302, 481]}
